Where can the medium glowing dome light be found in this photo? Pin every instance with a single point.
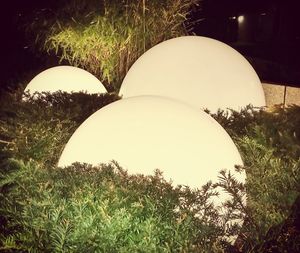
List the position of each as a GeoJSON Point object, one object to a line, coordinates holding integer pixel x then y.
{"type": "Point", "coordinates": [147, 133]}
{"type": "Point", "coordinates": [67, 79]}
{"type": "Point", "coordinates": [203, 72]}
{"type": "Point", "coordinates": [241, 19]}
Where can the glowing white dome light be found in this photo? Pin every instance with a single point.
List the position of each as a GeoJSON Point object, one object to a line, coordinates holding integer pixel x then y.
{"type": "Point", "coordinates": [241, 19]}
{"type": "Point", "coordinates": [203, 72]}
{"type": "Point", "coordinates": [147, 133]}
{"type": "Point", "coordinates": [65, 78]}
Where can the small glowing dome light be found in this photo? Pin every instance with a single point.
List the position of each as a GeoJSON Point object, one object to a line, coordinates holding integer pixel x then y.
{"type": "Point", "coordinates": [241, 19]}
{"type": "Point", "coordinates": [67, 79]}
{"type": "Point", "coordinates": [147, 132]}
{"type": "Point", "coordinates": [200, 71]}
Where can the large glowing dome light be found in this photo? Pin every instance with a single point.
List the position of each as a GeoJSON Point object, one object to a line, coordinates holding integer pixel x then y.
{"type": "Point", "coordinates": [203, 72]}
{"type": "Point", "coordinates": [67, 79]}
{"type": "Point", "coordinates": [147, 133]}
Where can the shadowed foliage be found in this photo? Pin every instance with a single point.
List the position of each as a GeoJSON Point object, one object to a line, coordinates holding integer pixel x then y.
{"type": "Point", "coordinates": [104, 209]}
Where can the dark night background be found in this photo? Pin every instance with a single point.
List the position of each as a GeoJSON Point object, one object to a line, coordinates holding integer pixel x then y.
{"type": "Point", "coordinates": [269, 36]}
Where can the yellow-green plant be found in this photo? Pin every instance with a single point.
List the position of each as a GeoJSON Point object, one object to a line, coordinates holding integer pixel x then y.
{"type": "Point", "coordinates": [104, 209]}
{"type": "Point", "coordinates": [106, 37]}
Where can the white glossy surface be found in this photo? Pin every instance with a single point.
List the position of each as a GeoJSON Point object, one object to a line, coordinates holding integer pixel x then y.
{"type": "Point", "coordinates": [67, 79]}
{"type": "Point", "coordinates": [147, 133]}
{"type": "Point", "coordinates": [203, 72]}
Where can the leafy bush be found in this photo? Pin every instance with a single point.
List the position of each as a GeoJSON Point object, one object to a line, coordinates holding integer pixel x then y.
{"type": "Point", "coordinates": [269, 142]}
{"type": "Point", "coordinates": [106, 37]}
{"type": "Point", "coordinates": [38, 127]}
{"type": "Point", "coordinates": [103, 209]}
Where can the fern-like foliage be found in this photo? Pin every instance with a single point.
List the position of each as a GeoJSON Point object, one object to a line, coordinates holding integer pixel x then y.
{"type": "Point", "coordinates": [104, 209]}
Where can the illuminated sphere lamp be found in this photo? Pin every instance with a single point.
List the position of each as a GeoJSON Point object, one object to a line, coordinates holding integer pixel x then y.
{"type": "Point", "coordinates": [203, 72]}
{"type": "Point", "coordinates": [147, 132]}
{"type": "Point", "coordinates": [67, 79]}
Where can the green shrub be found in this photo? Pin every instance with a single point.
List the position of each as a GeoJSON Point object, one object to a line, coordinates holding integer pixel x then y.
{"type": "Point", "coordinates": [269, 142]}
{"type": "Point", "coordinates": [37, 128]}
{"type": "Point", "coordinates": [103, 209]}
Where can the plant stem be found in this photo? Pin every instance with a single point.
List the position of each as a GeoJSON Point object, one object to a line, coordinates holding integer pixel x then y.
{"type": "Point", "coordinates": [144, 26]}
{"type": "Point", "coordinates": [6, 142]}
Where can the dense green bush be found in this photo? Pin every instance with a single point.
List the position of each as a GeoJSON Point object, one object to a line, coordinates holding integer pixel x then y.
{"type": "Point", "coordinates": [103, 209]}
{"type": "Point", "coordinates": [39, 127]}
{"type": "Point", "coordinates": [269, 142]}
{"type": "Point", "coordinates": [86, 209]}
